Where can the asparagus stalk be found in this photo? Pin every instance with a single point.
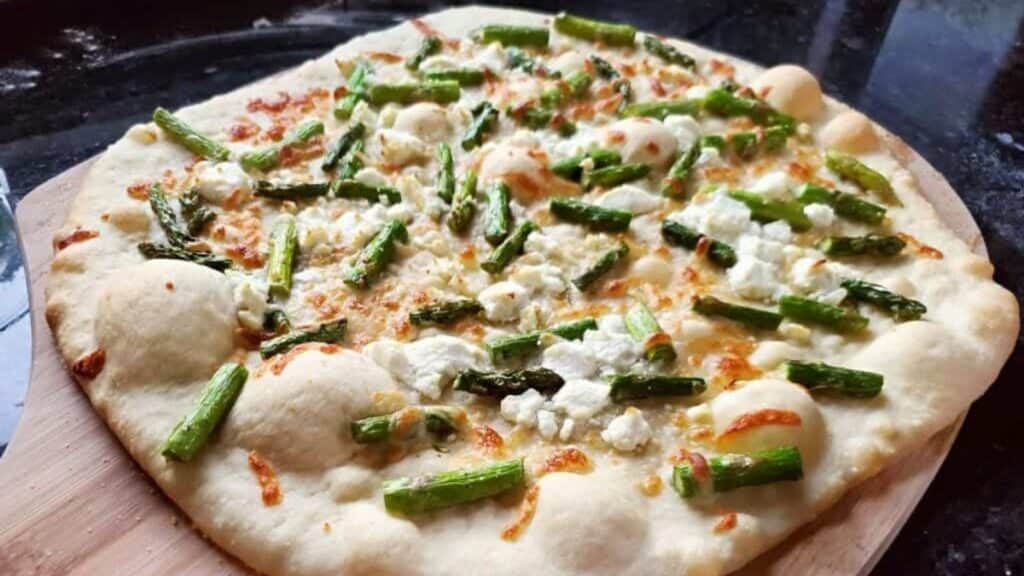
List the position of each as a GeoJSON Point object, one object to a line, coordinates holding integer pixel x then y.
{"type": "Point", "coordinates": [767, 210]}
{"type": "Point", "coordinates": [644, 328]}
{"type": "Point", "coordinates": [441, 92]}
{"type": "Point", "coordinates": [501, 384]}
{"type": "Point", "coordinates": [674, 183]}
{"type": "Point", "coordinates": [845, 205]}
{"type": "Point", "coordinates": [195, 214]}
{"type": "Point", "coordinates": [355, 189]}
{"type": "Point", "coordinates": [572, 168]}
{"type": "Point", "coordinates": [508, 249]}
{"type": "Point", "coordinates": [531, 116]}
{"type": "Point", "coordinates": [603, 67]}
{"type": "Point", "coordinates": [484, 116]}
{"type": "Point", "coordinates": [626, 387]}
{"type": "Point", "coordinates": [551, 97]}
{"type": "Point", "coordinates": [753, 317]}
{"type": "Point", "coordinates": [407, 496]}
{"type": "Point", "coordinates": [668, 53]}
{"type": "Point", "coordinates": [298, 191]}
{"type": "Point", "coordinates": [153, 250]}
{"type": "Point", "coordinates": [849, 168]}
{"type": "Point", "coordinates": [722, 102]}
{"type": "Point", "coordinates": [356, 86]}
{"type": "Point", "coordinates": [677, 234]}
{"type": "Point", "coordinates": [329, 332]}
{"type": "Point", "coordinates": [463, 204]}
{"type": "Point", "coordinates": [464, 76]}
{"type": "Point", "coordinates": [590, 215]}
{"type": "Point", "coordinates": [342, 146]}
{"type": "Point", "coordinates": [409, 422]}
{"type": "Point", "coordinates": [505, 347]}
{"type": "Point", "coordinates": [594, 30]}
{"type": "Point", "coordinates": [743, 145]}
{"type": "Point", "coordinates": [623, 87]}
{"type": "Point", "coordinates": [573, 330]}
{"type": "Point", "coordinates": [499, 214]}
{"type": "Point", "coordinates": [431, 45]}
{"type": "Point", "coordinates": [867, 245]}
{"type": "Point", "coordinates": [283, 244]}
{"type": "Point", "coordinates": [446, 174]}
{"type": "Point", "coordinates": [611, 176]}
{"type": "Point", "coordinates": [509, 35]}
{"type": "Point", "coordinates": [352, 163]}
{"type": "Point", "coordinates": [193, 431]}
{"type": "Point", "coordinates": [732, 471]}
{"type": "Point", "coordinates": [661, 108]}
{"type": "Point", "coordinates": [844, 381]}
{"type": "Point", "coordinates": [189, 137]}
{"type": "Point", "coordinates": [812, 312]}
{"type": "Point", "coordinates": [176, 234]}
{"type": "Point", "coordinates": [579, 83]}
{"type": "Point", "coordinates": [715, 141]}
{"type": "Point", "coordinates": [773, 138]}
{"type": "Point", "coordinates": [276, 321]}
{"type": "Point", "coordinates": [895, 305]}
{"type": "Point", "coordinates": [445, 312]}
{"type": "Point", "coordinates": [601, 266]}
{"type": "Point", "coordinates": [519, 60]}
{"type": "Point", "coordinates": [268, 158]}
{"type": "Point", "coordinates": [377, 253]}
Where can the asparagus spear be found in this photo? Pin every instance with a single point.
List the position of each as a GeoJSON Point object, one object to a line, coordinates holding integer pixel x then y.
{"type": "Point", "coordinates": [355, 189]}
{"type": "Point", "coordinates": [845, 205]}
{"type": "Point", "coordinates": [356, 86]}
{"type": "Point", "coordinates": [601, 267]}
{"type": "Point", "coordinates": [867, 245]}
{"type": "Point", "coordinates": [603, 67]}
{"type": "Point", "coordinates": [551, 97]}
{"type": "Point", "coordinates": [611, 176]}
{"type": "Point", "coordinates": [406, 496]}
{"type": "Point", "coordinates": [431, 45]}
{"type": "Point", "coordinates": [668, 53]}
{"type": "Point", "coordinates": [463, 204]}
{"type": "Point", "coordinates": [674, 183]}
{"type": "Point", "coordinates": [531, 116]}
{"type": "Point", "coordinates": [743, 145]}
{"type": "Point", "coordinates": [189, 137]}
{"type": "Point", "coordinates": [505, 347]}
{"type": "Point", "coordinates": [445, 312]}
{"type": "Point", "coordinates": [328, 332]}
{"type": "Point", "coordinates": [625, 387]}
{"type": "Point", "coordinates": [767, 210]}
{"type": "Point", "coordinates": [446, 174]}
{"type": "Point", "coordinates": [176, 235]}
{"type": "Point", "coordinates": [679, 235]}
{"type": "Point", "coordinates": [439, 421]}
{"type": "Point", "coordinates": [579, 83]}
{"type": "Point", "coordinates": [153, 250]}
{"type": "Point", "coordinates": [849, 168]}
{"type": "Point", "coordinates": [623, 87]}
{"type": "Point", "coordinates": [753, 317]}
{"type": "Point", "coordinates": [722, 102]}
{"type": "Point", "coordinates": [812, 312]}
{"type": "Point", "coordinates": [594, 30]}
{"type": "Point", "coordinates": [844, 381]}
{"type": "Point", "coordinates": [644, 328]}
{"type": "Point", "coordinates": [773, 138]}
{"type": "Point", "coordinates": [196, 215]}
{"type": "Point", "coordinates": [377, 253]}
{"type": "Point", "coordinates": [464, 76]}
{"type": "Point", "coordinates": [352, 163]}
{"type": "Point", "coordinates": [731, 471]}
{"type": "Point", "coordinates": [508, 249]}
{"type": "Point", "coordinates": [572, 168]}
{"type": "Point", "coordinates": [590, 215]}
{"type": "Point", "coordinates": [895, 305]}
{"type": "Point", "coordinates": [484, 115]}
{"type": "Point", "coordinates": [661, 108]}
{"type": "Point", "coordinates": [298, 191]}
{"type": "Point", "coordinates": [441, 92]}
{"type": "Point", "coordinates": [519, 60]}
{"type": "Point", "coordinates": [501, 384]}
{"type": "Point", "coordinates": [715, 141]}
{"type": "Point", "coordinates": [509, 35]}
{"type": "Point", "coordinates": [193, 431]}
{"type": "Point", "coordinates": [268, 158]}
{"type": "Point", "coordinates": [283, 244]}
{"type": "Point", "coordinates": [276, 321]}
{"type": "Point", "coordinates": [342, 146]}
{"type": "Point", "coordinates": [499, 214]}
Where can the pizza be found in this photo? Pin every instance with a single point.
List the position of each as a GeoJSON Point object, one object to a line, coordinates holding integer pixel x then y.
{"type": "Point", "coordinates": [510, 293]}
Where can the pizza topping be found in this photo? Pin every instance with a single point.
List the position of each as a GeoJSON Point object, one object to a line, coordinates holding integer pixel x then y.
{"type": "Point", "coordinates": [628, 431]}
{"type": "Point", "coordinates": [601, 266]}
{"type": "Point", "coordinates": [591, 215]}
{"type": "Point", "coordinates": [644, 328]}
{"type": "Point", "coordinates": [595, 30]}
{"type": "Point", "coordinates": [355, 91]}
{"type": "Point", "coordinates": [732, 471]}
{"type": "Point", "coordinates": [193, 431]}
{"type": "Point", "coordinates": [868, 245]}
{"type": "Point", "coordinates": [527, 508]}
{"type": "Point", "coordinates": [377, 254]}
{"type": "Point", "coordinates": [463, 204]}
{"type": "Point", "coordinates": [508, 35]}
{"type": "Point", "coordinates": [843, 381]}
{"type": "Point", "coordinates": [753, 317]}
{"type": "Point", "coordinates": [668, 53]}
{"type": "Point", "coordinates": [270, 489]}
{"type": "Point", "coordinates": [845, 205]}
{"type": "Point", "coordinates": [269, 158]}
{"type": "Point", "coordinates": [441, 92]}
{"type": "Point", "coordinates": [76, 235]}
{"type": "Point", "coordinates": [764, 417]}
{"type": "Point", "coordinates": [920, 247]}
{"type": "Point", "coordinates": [509, 249]}
{"type": "Point", "coordinates": [330, 332]}
{"type": "Point", "coordinates": [409, 423]}
{"type": "Point", "coordinates": [189, 137]}
{"type": "Point", "coordinates": [891, 303]}
{"type": "Point", "coordinates": [835, 318]}
{"type": "Point", "coordinates": [484, 120]}
{"type": "Point", "coordinates": [431, 45]}
{"type": "Point", "coordinates": [407, 496]}
{"type": "Point", "coordinates": [849, 168]}
{"type": "Point", "coordinates": [625, 387]}
{"type": "Point", "coordinates": [283, 242]}
{"type": "Point", "coordinates": [90, 365]}
{"type": "Point", "coordinates": [569, 459]}
{"type": "Point", "coordinates": [501, 384]}
{"type": "Point", "coordinates": [726, 523]}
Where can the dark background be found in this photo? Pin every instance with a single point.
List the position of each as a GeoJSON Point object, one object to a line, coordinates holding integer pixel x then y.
{"type": "Point", "coordinates": [946, 76]}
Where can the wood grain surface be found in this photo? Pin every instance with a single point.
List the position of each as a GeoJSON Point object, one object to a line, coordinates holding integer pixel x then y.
{"type": "Point", "coordinates": [73, 502]}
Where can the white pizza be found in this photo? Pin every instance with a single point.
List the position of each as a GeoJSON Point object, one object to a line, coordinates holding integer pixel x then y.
{"type": "Point", "coordinates": [498, 292]}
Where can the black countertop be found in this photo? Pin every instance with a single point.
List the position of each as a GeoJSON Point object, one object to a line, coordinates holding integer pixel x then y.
{"type": "Point", "coordinates": [946, 76]}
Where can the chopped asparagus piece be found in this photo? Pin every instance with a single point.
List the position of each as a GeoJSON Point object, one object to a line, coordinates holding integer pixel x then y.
{"type": "Point", "coordinates": [189, 137]}
{"type": "Point", "coordinates": [644, 328]}
{"type": "Point", "coordinates": [431, 45]}
{"type": "Point", "coordinates": [195, 214]}
{"type": "Point", "coordinates": [176, 234]}
{"type": "Point", "coordinates": [377, 253]}
{"type": "Point", "coordinates": [519, 60]}
{"type": "Point", "coordinates": [407, 496]}
{"type": "Point", "coordinates": [268, 158]}
{"type": "Point", "coordinates": [445, 312]}
{"type": "Point", "coordinates": [446, 174]}
{"type": "Point", "coordinates": [661, 108]}
{"type": "Point", "coordinates": [531, 117]}
{"type": "Point", "coordinates": [441, 92]}
{"type": "Point", "coordinates": [773, 138]}
{"type": "Point", "coordinates": [356, 86]}
{"type": "Point", "coordinates": [675, 181]}
{"type": "Point", "coordinates": [439, 421]}
{"type": "Point", "coordinates": [551, 97]}
{"type": "Point", "coordinates": [625, 387]}
{"type": "Point", "coordinates": [509, 249]}
{"type": "Point", "coordinates": [611, 176]}
{"type": "Point", "coordinates": [677, 234]}
{"type": "Point", "coordinates": [813, 312]}
{"type": "Point", "coordinates": [715, 141]}
{"type": "Point", "coordinates": [501, 384]}
{"type": "Point", "coordinates": [595, 30]}
{"type": "Point", "coordinates": [623, 87]}
{"type": "Point", "coordinates": [732, 471]}
{"type": "Point", "coordinates": [573, 330]}
{"type": "Point", "coordinates": [299, 191]}
{"type": "Point", "coordinates": [464, 76]}
{"type": "Point", "coordinates": [722, 102]}
{"type": "Point", "coordinates": [499, 213]}
{"type": "Point", "coordinates": [895, 305]}
{"type": "Point", "coordinates": [153, 250]}
{"type": "Point", "coordinates": [579, 83]}
{"type": "Point", "coordinates": [601, 266]}
{"type": "Point", "coordinates": [668, 53]}
{"type": "Point", "coordinates": [849, 168]}
{"type": "Point", "coordinates": [329, 333]}
{"type": "Point", "coordinates": [353, 163]}
{"type": "Point", "coordinates": [356, 189]}
{"type": "Point", "coordinates": [484, 116]}
{"type": "Point", "coordinates": [284, 241]}
{"type": "Point", "coordinates": [276, 321]}
{"type": "Point", "coordinates": [590, 215]}
{"type": "Point", "coordinates": [572, 168]}
{"type": "Point", "coordinates": [767, 210]}
{"type": "Point", "coordinates": [743, 145]}
{"type": "Point", "coordinates": [193, 431]}
{"type": "Point", "coordinates": [505, 347]}
{"type": "Point", "coordinates": [513, 35]}
{"type": "Point", "coordinates": [867, 245]}
{"type": "Point", "coordinates": [845, 205]}
{"type": "Point", "coordinates": [603, 67]}
{"type": "Point", "coordinates": [844, 381]}
{"type": "Point", "coordinates": [463, 204]}
{"type": "Point", "coordinates": [754, 317]}
{"type": "Point", "coordinates": [342, 146]}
